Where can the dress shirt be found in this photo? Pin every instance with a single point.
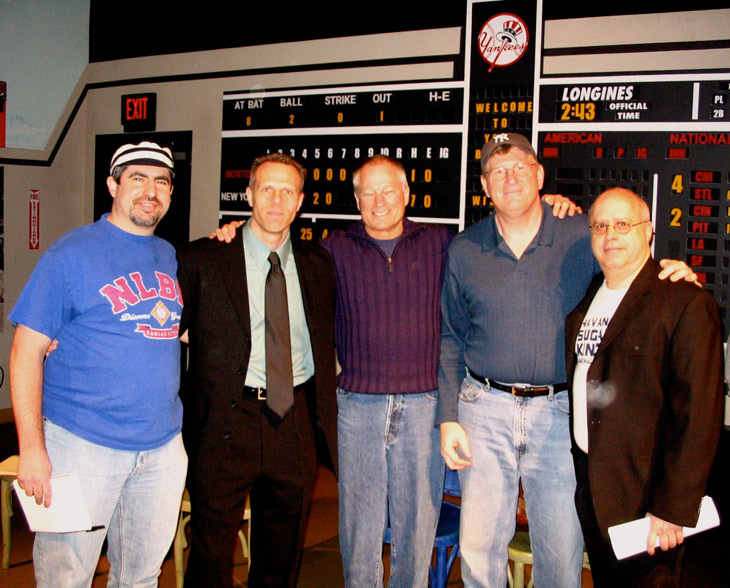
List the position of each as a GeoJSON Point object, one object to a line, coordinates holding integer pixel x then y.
{"type": "Point", "coordinates": [257, 268]}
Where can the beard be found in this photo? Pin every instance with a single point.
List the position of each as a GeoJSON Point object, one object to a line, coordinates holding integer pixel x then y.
{"type": "Point", "coordinates": [145, 219]}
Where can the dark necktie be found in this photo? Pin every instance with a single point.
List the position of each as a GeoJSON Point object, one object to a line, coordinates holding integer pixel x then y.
{"type": "Point", "coordinates": [279, 376]}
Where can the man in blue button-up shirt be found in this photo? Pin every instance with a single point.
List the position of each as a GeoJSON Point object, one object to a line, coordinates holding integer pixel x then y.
{"type": "Point", "coordinates": [510, 282]}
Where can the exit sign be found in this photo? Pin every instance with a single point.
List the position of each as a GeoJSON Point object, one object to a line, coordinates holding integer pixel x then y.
{"type": "Point", "coordinates": [139, 112]}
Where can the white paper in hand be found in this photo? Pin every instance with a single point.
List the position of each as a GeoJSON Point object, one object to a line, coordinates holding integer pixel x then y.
{"type": "Point", "coordinates": [629, 538]}
{"type": "Point", "coordinates": [67, 513]}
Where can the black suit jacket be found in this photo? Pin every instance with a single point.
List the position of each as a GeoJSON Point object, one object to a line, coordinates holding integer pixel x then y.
{"type": "Point", "coordinates": [212, 278]}
{"type": "Point", "coordinates": [655, 394]}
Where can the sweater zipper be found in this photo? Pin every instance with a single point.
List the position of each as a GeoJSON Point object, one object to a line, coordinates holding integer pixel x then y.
{"type": "Point", "coordinates": [389, 260]}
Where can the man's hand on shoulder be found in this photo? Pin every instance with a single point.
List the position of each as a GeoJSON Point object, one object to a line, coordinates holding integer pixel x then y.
{"type": "Point", "coordinates": [677, 270]}
{"type": "Point", "coordinates": [561, 205]}
{"type": "Point", "coordinates": [34, 474]}
{"type": "Point", "coordinates": [669, 534]}
{"type": "Point", "coordinates": [227, 232]}
{"type": "Point", "coordinates": [455, 447]}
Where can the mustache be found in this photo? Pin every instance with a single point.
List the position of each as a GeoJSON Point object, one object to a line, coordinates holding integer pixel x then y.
{"type": "Point", "coordinates": [147, 198]}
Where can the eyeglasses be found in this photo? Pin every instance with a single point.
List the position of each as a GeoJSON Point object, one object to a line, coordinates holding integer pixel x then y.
{"type": "Point", "coordinates": [521, 170]}
{"type": "Point", "coordinates": [621, 227]}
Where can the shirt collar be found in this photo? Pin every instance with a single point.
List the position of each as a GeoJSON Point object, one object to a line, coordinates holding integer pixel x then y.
{"type": "Point", "coordinates": [260, 252]}
{"type": "Point", "coordinates": [545, 234]}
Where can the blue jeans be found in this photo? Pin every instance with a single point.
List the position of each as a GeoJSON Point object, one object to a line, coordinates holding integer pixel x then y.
{"type": "Point", "coordinates": [513, 438]}
{"type": "Point", "coordinates": [389, 465]}
{"type": "Point", "coordinates": [134, 497]}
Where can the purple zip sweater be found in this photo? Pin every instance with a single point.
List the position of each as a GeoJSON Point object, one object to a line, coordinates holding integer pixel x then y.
{"type": "Point", "coordinates": [388, 318]}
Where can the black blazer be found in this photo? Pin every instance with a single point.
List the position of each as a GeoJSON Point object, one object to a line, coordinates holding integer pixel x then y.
{"type": "Point", "coordinates": [657, 385]}
{"type": "Point", "coordinates": [212, 278]}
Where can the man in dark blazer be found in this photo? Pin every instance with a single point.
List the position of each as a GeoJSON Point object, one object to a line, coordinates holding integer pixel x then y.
{"type": "Point", "coordinates": [238, 440]}
{"type": "Point", "coordinates": [644, 357]}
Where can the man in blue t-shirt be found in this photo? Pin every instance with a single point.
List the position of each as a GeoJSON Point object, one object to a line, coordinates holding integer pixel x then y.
{"type": "Point", "coordinates": [104, 406]}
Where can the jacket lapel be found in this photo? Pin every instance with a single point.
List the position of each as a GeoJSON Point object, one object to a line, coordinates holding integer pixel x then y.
{"type": "Point", "coordinates": [231, 264]}
{"type": "Point", "coordinates": [633, 300]}
{"type": "Point", "coordinates": [305, 277]}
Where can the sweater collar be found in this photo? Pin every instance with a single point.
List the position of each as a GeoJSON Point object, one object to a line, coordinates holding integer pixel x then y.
{"type": "Point", "coordinates": [358, 230]}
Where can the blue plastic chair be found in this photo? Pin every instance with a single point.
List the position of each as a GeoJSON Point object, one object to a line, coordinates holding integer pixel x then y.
{"type": "Point", "coordinates": [447, 533]}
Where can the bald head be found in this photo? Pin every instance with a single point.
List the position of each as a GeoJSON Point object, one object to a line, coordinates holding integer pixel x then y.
{"type": "Point", "coordinates": [621, 234]}
{"type": "Point", "coordinates": [640, 206]}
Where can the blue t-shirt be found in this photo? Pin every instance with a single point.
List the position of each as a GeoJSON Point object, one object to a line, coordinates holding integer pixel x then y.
{"type": "Point", "coordinates": [112, 300]}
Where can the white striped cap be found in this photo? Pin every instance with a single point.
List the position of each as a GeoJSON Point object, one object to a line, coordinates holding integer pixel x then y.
{"type": "Point", "coordinates": [145, 153]}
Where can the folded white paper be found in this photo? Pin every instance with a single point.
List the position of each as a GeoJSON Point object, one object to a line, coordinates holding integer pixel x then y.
{"type": "Point", "coordinates": [629, 538]}
{"type": "Point", "coordinates": [67, 513]}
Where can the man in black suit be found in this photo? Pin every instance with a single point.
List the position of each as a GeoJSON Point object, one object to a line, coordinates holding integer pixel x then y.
{"type": "Point", "coordinates": [644, 357]}
{"type": "Point", "coordinates": [250, 426]}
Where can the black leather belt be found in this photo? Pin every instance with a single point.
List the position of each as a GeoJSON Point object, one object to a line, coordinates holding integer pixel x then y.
{"type": "Point", "coordinates": [523, 391]}
{"type": "Point", "coordinates": [254, 393]}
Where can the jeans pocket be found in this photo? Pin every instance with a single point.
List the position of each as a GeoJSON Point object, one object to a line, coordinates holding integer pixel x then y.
{"type": "Point", "coordinates": [561, 402]}
{"type": "Point", "coordinates": [342, 394]}
{"type": "Point", "coordinates": [432, 395]}
{"type": "Point", "coordinates": [470, 391]}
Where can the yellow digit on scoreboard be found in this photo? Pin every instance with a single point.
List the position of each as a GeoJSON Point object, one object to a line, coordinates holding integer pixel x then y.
{"type": "Point", "coordinates": [677, 185]}
{"type": "Point", "coordinates": [676, 216]}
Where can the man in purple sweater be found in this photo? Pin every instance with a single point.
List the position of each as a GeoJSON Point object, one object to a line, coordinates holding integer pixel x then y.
{"type": "Point", "coordinates": [388, 273]}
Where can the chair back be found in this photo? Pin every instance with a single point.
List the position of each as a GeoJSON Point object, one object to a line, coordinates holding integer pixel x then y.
{"type": "Point", "coordinates": [451, 483]}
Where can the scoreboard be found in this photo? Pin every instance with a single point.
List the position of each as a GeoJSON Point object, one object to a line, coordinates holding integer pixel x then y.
{"type": "Point", "coordinates": [664, 135]}
{"type": "Point", "coordinates": [331, 132]}
{"type": "Point", "coordinates": [667, 141]}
